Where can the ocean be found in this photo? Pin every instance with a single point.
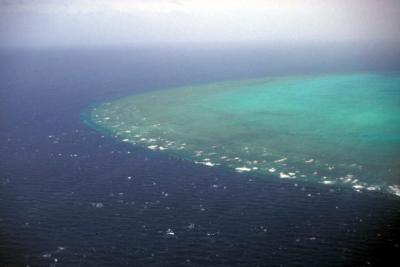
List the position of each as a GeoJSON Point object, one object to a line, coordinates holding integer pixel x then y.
{"type": "Point", "coordinates": [74, 196]}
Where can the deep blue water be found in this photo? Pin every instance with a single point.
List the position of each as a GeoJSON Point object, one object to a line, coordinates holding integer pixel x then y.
{"type": "Point", "coordinates": [72, 197]}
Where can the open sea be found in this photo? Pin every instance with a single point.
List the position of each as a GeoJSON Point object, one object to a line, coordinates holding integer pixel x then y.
{"type": "Point", "coordinates": [74, 196]}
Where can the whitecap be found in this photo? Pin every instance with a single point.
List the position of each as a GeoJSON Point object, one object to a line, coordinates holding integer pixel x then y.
{"type": "Point", "coordinates": [98, 205]}
{"type": "Point", "coordinates": [207, 163]}
{"type": "Point", "coordinates": [358, 186]}
{"type": "Point", "coordinates": [373, 188]}
{"type": "Point", "coordinates": [395, 189]}
{"type": "Point", "coordinates": [242, 169]}
{"type": "Point", "coordinates": [283, 175]}
{"type": "Point", "coordinates": [198, 153]}
{"type": "Point", "coordinates": [280, 160]}
{"type": "Point", "coordinates": [169, 232]}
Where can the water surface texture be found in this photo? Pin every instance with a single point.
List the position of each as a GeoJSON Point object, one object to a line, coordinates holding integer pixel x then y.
{"type": "Point", "coordinates": [73, 196]}
{"type": "Point", "coordinates": [332, 129]}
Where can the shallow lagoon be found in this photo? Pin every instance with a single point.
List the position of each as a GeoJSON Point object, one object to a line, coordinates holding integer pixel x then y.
{"type": "Point", "coordinates": [331, 129]}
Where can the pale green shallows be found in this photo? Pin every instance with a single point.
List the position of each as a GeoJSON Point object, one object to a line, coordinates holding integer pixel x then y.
{"type": "Point", "coordinates": [333, 129]}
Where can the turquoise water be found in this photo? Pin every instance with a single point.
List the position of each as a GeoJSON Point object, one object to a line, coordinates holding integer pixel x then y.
{"type": "Point", "coordinates": [333, 129]}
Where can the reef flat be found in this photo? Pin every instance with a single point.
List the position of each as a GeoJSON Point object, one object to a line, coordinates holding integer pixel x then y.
{"type": "Point", "coordinates": [341, 129]}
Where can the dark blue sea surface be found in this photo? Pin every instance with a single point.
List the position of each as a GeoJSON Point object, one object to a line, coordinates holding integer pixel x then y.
{"type": "Point", "coordinates": [70, 196]}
